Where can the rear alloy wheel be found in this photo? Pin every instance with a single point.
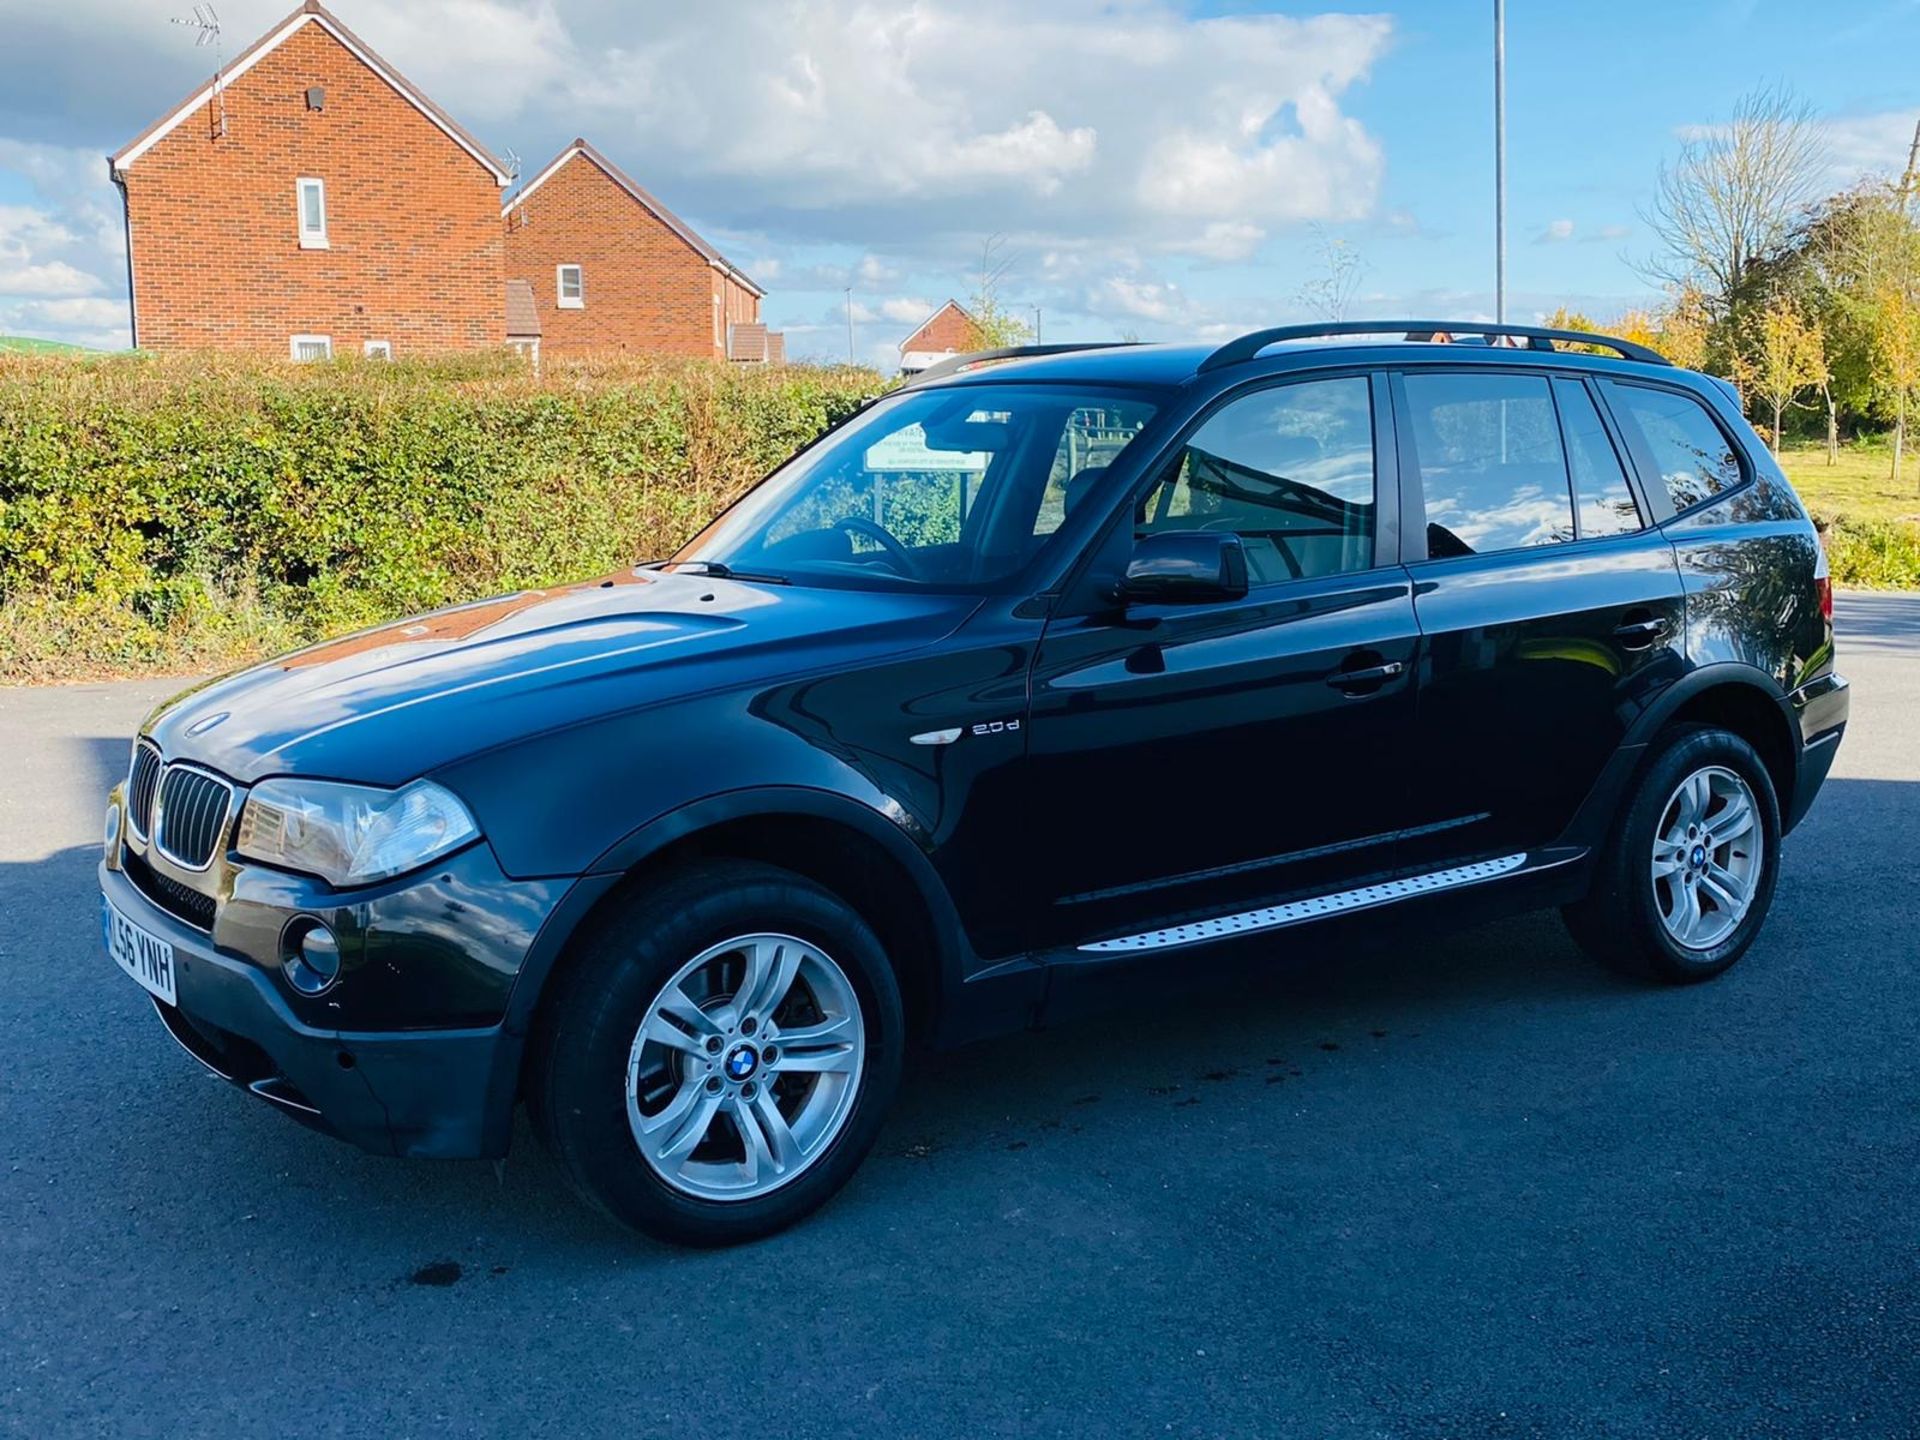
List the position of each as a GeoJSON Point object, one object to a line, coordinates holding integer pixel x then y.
{"type": "Point", "coordinates": [1684, 884]}
{"type": "Point", "coordinates": [716, 1057]}
{"type": "Point", "coordinates": [1707, 857]}
{"type": "Point", "coordinates": [745, 1068]}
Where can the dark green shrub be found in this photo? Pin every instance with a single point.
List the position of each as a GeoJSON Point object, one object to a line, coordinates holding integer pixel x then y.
{"type": "Point", "coordinates": [195, 511]}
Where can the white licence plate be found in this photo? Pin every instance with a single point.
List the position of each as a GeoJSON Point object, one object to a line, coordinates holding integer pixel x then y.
{"type": "Point", "coordinates": [147, 958]}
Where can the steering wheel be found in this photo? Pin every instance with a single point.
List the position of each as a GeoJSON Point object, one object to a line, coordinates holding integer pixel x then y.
{"type": "Point", "coordinates": [897, 553]}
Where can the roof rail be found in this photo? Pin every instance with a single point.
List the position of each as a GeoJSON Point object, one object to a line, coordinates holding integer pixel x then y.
{"type": "Point", "coordinates": [953, 364]}
{"type": "Point", "coordinates": [1250, 345]}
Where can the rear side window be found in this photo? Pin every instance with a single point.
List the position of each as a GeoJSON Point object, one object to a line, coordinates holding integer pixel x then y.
{"type": "Point", "coordinates": [1681, 440]}
{"type": "Point", "coordinates": [1289, 470]}
{"type": "Point", "coordinates": [1490, 461]}
{"type": "Point", "coordinates": [1601, 495]}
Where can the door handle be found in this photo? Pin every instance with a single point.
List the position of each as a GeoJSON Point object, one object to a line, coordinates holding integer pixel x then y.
{"type": "Point", "coordinates": [1365, 677]}
{"type": "Point", "coordinates": [1639, 634]}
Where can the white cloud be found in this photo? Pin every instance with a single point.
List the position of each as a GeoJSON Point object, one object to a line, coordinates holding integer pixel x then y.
{"type": "Point", "coordinates": [1131, 299]}
{"type": "Point", "coordinates": [73, 314]}
{"type": "Point", "coordinates": [1556, 232]}
{"type": "Point", "coordinates": [798, 133]}
{"type": "Point", "coordinates": [51, 262]}
{"type": "Point", "coordinates": [1862, 145]}
{"type": "Point", "coordinates": [906, 310]}
{"type": "Point", "coordinates": [54, 278]}
{"type": "Point", "coordinates": [1221, 240]}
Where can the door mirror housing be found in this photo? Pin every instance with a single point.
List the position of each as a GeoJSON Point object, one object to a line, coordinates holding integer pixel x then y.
{"type": "Point", "coordinates": [1186, 567]}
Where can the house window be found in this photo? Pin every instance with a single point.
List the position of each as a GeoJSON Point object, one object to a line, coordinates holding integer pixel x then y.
{"type": "Point", "coordinates": [377, 349]}
{"type": "Point", "coordinates": [313, 214]}
{"type": "Point", "coordinates": [571, 286]}
{"type": "Point", "coordinates": [312, 347]}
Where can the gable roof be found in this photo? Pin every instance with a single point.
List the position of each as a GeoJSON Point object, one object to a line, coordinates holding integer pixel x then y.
{"type": "Point", "coordinates": [310, 13]}
{"type": "Point", "coordinates": [959, 312]}
{"type": "Point", "coordinates": [581, 149]}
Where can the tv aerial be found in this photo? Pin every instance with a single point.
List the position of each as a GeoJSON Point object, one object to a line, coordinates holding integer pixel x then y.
{"type": "Point", "coordinates": [205, 22]}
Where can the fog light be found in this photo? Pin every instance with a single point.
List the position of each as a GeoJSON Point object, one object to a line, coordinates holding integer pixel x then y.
{"type": "Point", "coordinates": [310, 956]}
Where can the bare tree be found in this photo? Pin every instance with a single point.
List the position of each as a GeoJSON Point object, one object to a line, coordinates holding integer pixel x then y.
{"type": "Point", "coordinates": [1731, 198]}
{"type": "Point", "coordinates": [993, 323]}
{"type": "Point", "coordinates": [1329, 292]}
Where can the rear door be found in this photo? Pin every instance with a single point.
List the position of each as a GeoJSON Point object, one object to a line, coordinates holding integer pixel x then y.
{"type": "Point", "coordinates": [1550, 609]}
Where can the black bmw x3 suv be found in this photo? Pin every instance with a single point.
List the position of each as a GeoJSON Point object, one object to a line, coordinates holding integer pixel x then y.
{"type": "Point", "coordinates": [1043, 665]}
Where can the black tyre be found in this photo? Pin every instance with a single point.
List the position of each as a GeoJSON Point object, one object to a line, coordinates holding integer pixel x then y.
{"type": "Point", "coordinates": [1688, 876]}
{"type": "Point", "coordinates": [717, 1057]}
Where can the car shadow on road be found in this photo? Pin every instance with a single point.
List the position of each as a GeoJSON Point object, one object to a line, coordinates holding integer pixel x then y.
{"type": "Point", "coordinates": [1268, 1018]}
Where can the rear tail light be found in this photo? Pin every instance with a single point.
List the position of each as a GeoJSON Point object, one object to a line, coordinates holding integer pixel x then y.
{"type": "Point", "coordinates": [1822, 577]}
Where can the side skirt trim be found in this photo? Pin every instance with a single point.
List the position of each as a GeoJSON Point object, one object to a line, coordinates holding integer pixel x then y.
{"type": "Point", "coordinates": [1272, 917]}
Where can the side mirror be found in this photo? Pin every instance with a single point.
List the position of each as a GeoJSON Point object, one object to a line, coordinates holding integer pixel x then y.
{"type": "Point", "coordinates": [1186, 567]}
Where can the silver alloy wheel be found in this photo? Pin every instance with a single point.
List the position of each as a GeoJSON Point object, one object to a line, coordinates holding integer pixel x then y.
{"type": "Point", "coordinates": [1707, 856]}
{"type": "Point", "coordinates": [746, 1067]}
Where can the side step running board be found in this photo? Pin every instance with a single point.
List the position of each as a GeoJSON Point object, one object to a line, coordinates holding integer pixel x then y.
{"type": "Point", "coordinates": [1272, 917]}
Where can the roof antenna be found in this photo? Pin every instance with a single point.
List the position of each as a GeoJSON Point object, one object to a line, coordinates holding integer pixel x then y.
{"type": "Point", "coordinates": [207, 23]}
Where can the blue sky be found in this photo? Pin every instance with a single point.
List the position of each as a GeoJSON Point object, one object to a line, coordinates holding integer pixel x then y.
{"type": "Point", "coordinates": [1156, 168]}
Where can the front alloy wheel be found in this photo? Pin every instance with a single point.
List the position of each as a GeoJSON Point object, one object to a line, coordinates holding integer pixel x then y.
{"type": "Point", "coordinates": [745, 1067]}
{"type": "Point", "coordinates": [718, 1052]}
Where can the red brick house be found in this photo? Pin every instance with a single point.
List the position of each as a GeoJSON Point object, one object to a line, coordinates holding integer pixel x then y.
{"type": "Point", "coordinates": [611, 268]}
{"type": "Point", "coordinates": [312, 202]}
{"type": "Point", "coordinates": [948, 331]}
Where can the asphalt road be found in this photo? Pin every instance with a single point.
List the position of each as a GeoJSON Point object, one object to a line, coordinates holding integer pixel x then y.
{"type": "Point", "coordinates": [1474, 1187]}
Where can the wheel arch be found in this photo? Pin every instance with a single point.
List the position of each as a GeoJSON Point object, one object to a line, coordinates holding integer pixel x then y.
{"type": "Point", "coordinates": [1736, 697]}
{"type": "Point", "coordinates": [837, 842]}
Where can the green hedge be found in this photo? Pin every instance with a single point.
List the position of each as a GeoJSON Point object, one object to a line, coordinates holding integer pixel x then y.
{"type": "Point", "coordinates": [190, 512]}
{"type": "Point", "coordinates": [1872, 554]}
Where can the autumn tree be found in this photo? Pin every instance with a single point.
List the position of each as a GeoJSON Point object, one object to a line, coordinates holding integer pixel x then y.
{"type": "Point", "coordinates": [1564, 319]}
{"type": "Point", "coordinates": [1784, 357]}
{"type": "Point", "coordinates": [1685, 328]}
{"type": "Point", "coordinates": [1896, 345]}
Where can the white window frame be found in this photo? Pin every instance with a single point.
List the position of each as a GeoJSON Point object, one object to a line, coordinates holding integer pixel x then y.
{"type": "Point", "coordinates": [310, 239]}
{"type": "Point", "coordinates": [294, 344]}
{"type": "Point", "coordinates": [565, 301]}
{"type": "Point", "coordinates": [377, 349]}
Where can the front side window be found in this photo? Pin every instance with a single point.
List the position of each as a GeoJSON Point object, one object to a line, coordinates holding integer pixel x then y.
{"type": "Point", "coordinates": [946, 488]}
{"type": "Point", "coordinates": [570, 281]}
{"type": "Point", "coordinates": [312, 195]}
{"type": "Point", "coordinates": [1491, 465]}
{"type": "Point", "coordinates": [1693, 455]}
{"type": "Point", "coordinates": [1289, 470]}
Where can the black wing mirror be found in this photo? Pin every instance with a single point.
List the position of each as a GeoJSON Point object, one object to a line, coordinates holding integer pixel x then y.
{"type": "Point", "coordinates": [1186, 567]}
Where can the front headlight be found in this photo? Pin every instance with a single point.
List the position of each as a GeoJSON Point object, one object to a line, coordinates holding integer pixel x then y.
{"type": "Point", "coordinates": [351, 834]}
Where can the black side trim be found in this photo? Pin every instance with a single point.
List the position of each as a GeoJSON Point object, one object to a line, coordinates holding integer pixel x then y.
{"type": "Point", "coordinates": [1247, 867]}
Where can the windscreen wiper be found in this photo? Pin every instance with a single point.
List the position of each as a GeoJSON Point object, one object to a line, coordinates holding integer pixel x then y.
{"type": "Point", "coordinates": [719, 570]}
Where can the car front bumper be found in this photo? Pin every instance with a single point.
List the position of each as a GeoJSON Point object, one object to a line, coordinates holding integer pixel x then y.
{"type": "Point", "coordinates": [433, 1093]}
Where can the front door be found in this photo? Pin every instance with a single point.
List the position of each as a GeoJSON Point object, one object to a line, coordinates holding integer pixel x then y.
{"type": "Point", "coordinates": [1190, 760]}
{"type": "Point", "coordinates": [1550, 611]}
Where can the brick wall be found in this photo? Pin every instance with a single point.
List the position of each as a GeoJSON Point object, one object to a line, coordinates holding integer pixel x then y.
{"type": "Point", "coordinates": [646, 289]}
{"type": "Point", "coordinates": [413, 221]}
{"type": "Point", "coordinates": [950, 330]}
